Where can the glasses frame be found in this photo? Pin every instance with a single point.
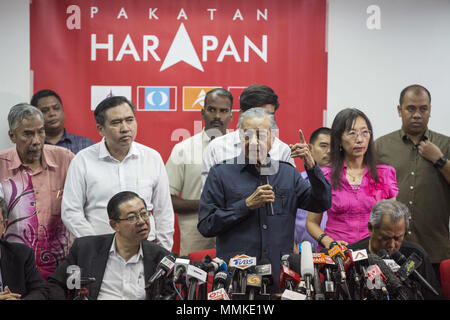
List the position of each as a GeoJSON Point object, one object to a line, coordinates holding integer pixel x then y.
{"type": "Point", "coordinates": [144, 215]}
{"type": "Point", "coordinates": [366, 133]}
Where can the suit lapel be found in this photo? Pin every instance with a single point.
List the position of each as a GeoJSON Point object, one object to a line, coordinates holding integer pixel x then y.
{"type": "Point", "coordinates": [98, 266]}
{"type": "Point", "coordinates": [149, 268]}
{"type": "Point", "coordinates": [6, 264]}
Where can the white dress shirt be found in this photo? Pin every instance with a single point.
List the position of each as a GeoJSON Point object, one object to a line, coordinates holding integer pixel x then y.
{"type": "Point", "coordinates": [184, 168]}
{"type": "Point", "coordinates": [123, 280]}
{"type": "Point", "coordinates": [94, 177]}
{"type": "Point", "coordinates": [229, 146]}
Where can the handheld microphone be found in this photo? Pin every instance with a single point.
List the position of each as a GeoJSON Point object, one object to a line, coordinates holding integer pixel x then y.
{"type": "Point", "coordinates": [383, 254]}
{"type": "Point", "coordinates": [181, 265]}
{"type": "Point", "coordinates": [409, 266]}
{"type": "Point", "coordinates": [264, 269]}
{"type": "Point", "coordinates": [164, 267]}
{"type": "Point", "coordinates": [288, 278]}
{"type": "Point", "coordinates": [393, 283]}
{"type": "Point", "coordinates": [222, 265]}
{"type": "Point", "coordinates": [220, 280]}
{"type": "Point", "coordinates": [307, 266]}
{"type": "Point", "coordinates": [377, 278]}
{"type": "Point", "coordinates": [242, 263]}
{"type": "Point", "coordinates": [360, 264]}
{"type": "Point", "coordinates": [338, 257]}
{"type": "Point", "coordinates": [295, 261]}
{"type": "Point", "coordinates": [319, 261]}
{"type": "Point", "coordinates": [327, 271]}
{"type": "Point", "coordinates": [285, 260]}
{"type": "Point", "coordinates": [254, 283]}
{"type": "Point", "coordinates": [269, 205]}
{"type": "Point", "coordinates": [195, 276]}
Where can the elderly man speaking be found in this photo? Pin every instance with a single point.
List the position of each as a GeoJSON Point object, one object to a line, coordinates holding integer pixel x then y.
{"type": "Point", "coordinates": [233, 203]}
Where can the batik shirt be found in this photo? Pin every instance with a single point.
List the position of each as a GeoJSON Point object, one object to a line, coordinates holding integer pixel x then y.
{"type": "Point", "coordinates": [34, 204]}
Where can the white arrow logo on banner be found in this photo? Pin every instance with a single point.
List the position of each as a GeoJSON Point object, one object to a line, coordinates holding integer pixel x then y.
{"type": "Point", "coordinates": [182, 49]}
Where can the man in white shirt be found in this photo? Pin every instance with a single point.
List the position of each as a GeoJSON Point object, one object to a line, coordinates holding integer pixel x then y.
{"type": "Point", "coordinates": [184, 168]}
{"type": "Point", "coordinates": [121, 262]}
{"type": "Point", "coordinates": [117, 163]}
{"type": "Point", "coordinates": [228, 147]}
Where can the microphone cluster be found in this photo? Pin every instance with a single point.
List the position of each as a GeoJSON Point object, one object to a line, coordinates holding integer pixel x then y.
{"type": "Point", "coordinates": [337, 273]}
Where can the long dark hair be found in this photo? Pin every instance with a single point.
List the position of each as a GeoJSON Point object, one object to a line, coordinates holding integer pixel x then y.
{"type": "Point", "coordinates": [344, 121]}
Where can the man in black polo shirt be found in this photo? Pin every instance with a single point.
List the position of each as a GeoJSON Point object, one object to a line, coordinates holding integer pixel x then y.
{"type": "Point", "coordinates": [388, 224]}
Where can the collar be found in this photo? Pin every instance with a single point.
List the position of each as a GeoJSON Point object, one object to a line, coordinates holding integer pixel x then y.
{"type": "Point", "coordinates": [425, 136]}
{"type": "Point", "coordinates": [135, 258]}
{"type": "Point", "coordinates": [47, 159]}
{"type": "Point", "coordinates": [206, 138]}
{"type": "Point", "coordinates": [66, 136]}
{"type": "Point", "coordinates": [270, 168]}
{"type": "Point", "coordinates": [104, 153]}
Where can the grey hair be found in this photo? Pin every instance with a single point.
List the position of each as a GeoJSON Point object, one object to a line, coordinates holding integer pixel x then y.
{"type": "Point", "coordinates": [257, 113]}
{"type": "Point", "coordinates": [393, 208]}
{"type": "Point", "coordinates": [3, 207]}
{"type": "Point", "coordinates": [22, 111]}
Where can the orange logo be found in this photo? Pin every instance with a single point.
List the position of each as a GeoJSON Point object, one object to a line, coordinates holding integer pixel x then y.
{"type": "Point", "coordinates": [194, 97]}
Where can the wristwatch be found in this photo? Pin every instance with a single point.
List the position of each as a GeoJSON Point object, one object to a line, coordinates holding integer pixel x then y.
{"type": "Point", "coordinates": [440, 162]}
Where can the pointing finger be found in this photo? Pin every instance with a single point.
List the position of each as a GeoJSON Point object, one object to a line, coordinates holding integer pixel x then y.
{"type": "Point", "coordinates": [302, 137]}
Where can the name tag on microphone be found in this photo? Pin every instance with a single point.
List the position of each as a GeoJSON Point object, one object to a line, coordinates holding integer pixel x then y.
{"type": "Point", "coordinates": [220, 294]}
{"type": "Point", "coordinates": [242, 262]}
{"type": "Point", "coordinates": [292, 295]}
{"type": "Point", "coordinates": [392, 264]}
{"type": "Point", "coordinates": [194, 272]}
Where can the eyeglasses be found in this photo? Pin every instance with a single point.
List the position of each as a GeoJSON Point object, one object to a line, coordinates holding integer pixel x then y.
{"type": "Point", "coordinates": [352, 134]}
{"type": "Point", "coordinates": [135, 217]}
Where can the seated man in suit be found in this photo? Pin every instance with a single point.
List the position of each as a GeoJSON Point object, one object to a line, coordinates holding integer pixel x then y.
{"type": "Point", "coordinates": [19, 276]}
{"type": "Point", "coordinates": [120, 262]}
{"type": "Point", "coordinates": [388, 224]}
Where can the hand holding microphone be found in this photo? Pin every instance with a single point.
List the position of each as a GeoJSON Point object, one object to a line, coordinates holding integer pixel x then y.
{"type": "Point", "coordinates": [262, 195]}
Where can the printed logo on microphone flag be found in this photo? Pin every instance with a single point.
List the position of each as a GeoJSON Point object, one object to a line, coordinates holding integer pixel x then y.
{"type": "Point", "coordinates": [194, 97]}
{"type": "Point", "coordinates": [99, 93]}
{"type": "Point", "coordinates": [156, 98]}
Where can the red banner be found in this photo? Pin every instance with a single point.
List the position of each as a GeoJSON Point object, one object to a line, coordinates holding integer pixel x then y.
{"type": "Point", "coordinates": [165, 55]}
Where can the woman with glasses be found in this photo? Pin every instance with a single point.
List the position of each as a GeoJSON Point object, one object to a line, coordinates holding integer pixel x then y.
{"type": "Point", "coordinates": [357, 181]}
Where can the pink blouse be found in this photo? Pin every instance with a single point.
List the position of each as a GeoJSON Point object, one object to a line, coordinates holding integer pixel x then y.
{"type": "Point", "coordinates": [350, 210]}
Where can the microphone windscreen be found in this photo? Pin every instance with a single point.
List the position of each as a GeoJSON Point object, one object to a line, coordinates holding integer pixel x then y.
{"type": "Point", "coordinates": [392, 281]}
{"type": "Point", "coordinates": [307, 264]}
{"type": "Point", "coordinates": [398, 257]}
{"type": "Point", "coordinates": [383, 254]}
{"type": "Point", "coordinates": [294, 262]}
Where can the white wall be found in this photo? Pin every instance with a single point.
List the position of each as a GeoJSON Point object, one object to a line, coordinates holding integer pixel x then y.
{"type": "Point", "coordinates": [14, 60]}
{"type": "Point", "coordinates": [367, 69]}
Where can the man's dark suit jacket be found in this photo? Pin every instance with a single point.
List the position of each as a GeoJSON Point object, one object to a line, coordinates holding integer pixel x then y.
{"type": "Point", "coordinates": [91, 254]}
{"type": "Point", "coordinates": [19, 271]}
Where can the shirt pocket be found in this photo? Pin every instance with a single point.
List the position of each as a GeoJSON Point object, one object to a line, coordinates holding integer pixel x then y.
{"type": "Point", "coordinates": [280, 206]}
{"type": "Point", "coordinates": [145, 191]}
{"type": "Point", "coordinates": [55, 201]}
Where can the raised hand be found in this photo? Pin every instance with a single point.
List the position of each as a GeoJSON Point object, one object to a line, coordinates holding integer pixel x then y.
{"type": "Point", "coordinates": [301, 150]}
